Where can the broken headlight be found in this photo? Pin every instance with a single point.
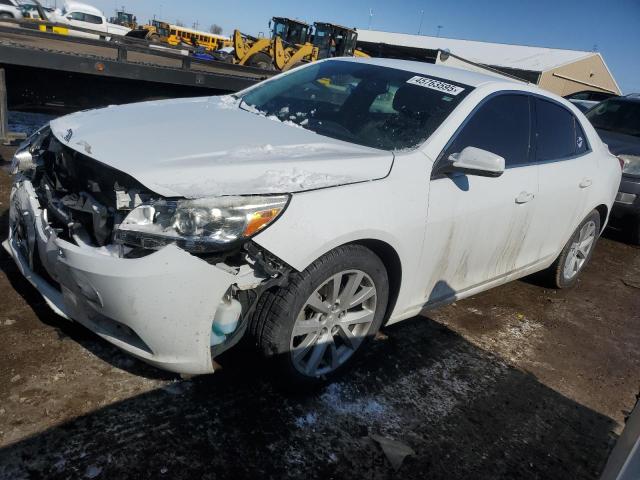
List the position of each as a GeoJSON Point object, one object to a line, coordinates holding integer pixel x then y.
{"type": "Point", "coordinates": [203, 225]}
{"type": "Point", "coordinates": [23, 160]}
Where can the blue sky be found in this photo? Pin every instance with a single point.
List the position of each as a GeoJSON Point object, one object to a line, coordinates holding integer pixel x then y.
{"type": "Point", "coordinates": [613, 27]}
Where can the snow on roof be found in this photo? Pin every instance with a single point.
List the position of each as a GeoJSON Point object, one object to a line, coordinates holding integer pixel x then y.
{"type": "Point", "coordinates": [536, 59]}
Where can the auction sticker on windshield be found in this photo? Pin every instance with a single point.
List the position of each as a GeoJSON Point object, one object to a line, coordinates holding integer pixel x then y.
{"type": "Point", "coordinates": [435, 85]}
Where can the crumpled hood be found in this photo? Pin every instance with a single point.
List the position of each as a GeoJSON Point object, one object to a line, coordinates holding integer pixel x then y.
{"type": "Point", "coordinates": [208, 146]}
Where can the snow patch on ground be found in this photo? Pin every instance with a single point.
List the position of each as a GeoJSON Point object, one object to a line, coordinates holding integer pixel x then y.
{"type": "Point", "coordinates": [93, 471]}
{"type": "Point", "coordinates": [340, 399]}
{"type": "Point", "coordinates": [435, 391]}
{"type": "Point", "coordinates": [517, 337]}
{"type": "Point", "coordinates": [307, 420]}
{"type": "Point", "coordinates": [177, 387]}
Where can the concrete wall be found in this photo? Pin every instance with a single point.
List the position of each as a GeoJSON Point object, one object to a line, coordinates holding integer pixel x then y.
{"type": "Point", "coordinates": [589, 73]}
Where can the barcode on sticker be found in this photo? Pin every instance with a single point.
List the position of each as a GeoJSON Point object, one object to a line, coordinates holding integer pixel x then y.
{"type": "Point", "coordinates": [435, 85]}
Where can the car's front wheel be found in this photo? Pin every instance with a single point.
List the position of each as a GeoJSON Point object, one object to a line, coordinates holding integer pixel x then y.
{"type": "Point", "coordinates": [314, 327]}
{"type": "Point", "coordinates": [576, 253]}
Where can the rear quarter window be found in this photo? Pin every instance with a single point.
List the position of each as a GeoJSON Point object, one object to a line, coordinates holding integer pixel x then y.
{"type": "Point", "coordinates": [581, 139]}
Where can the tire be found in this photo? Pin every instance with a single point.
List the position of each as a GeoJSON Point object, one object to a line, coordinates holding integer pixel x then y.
{"type": "Point", "coordinates": [5, 16]}
{"type": "Point", "coordinates": [260, 60]}
{"type": "Point", "coordinates": [561, 274]}
{"type": "Point", "coordinates": [280, 310]}
{"type": "Point", "coordinates": [154, 38]}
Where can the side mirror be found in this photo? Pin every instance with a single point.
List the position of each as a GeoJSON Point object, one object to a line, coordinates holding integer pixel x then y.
{"type": "Point", "coordinates": [475, 161]}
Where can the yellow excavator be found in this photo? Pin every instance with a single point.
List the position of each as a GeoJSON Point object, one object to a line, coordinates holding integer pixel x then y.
{"type": "Point", "coordinates": [293, 43]}
{"type": "Point", "coordinates": [155, 32]}
{"type": "Point", "coordinates": [125, 19]}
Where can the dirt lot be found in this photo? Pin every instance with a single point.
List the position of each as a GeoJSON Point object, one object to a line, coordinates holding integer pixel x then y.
{"type": "Point", "coordinates": [519, 382]}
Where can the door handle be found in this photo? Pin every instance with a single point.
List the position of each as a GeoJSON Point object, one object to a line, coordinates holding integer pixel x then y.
{"type": "Point", "coordinates": [525, 197]}
{"type": "Point", "coordinates": [586, 182]}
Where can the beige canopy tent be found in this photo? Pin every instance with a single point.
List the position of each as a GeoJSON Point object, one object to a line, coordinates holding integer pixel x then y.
{"type": "Point", "coordinates": [560, 71]}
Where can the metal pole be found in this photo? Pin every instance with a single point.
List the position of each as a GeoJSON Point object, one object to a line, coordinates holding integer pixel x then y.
{"type": "Point", "coordinates": [421, 17]}
{"type": "Point", "coordinates": [4, 114]}
{"type": "Point", "coordinates": [439, 28]}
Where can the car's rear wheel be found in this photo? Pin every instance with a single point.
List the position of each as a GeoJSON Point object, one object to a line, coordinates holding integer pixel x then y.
{"type": "Point", "coordinates": [6, 16]}
{"type": "Point", "coordinates": [315, 326]}
{"type": "Point", "coordinates": [576, 253]}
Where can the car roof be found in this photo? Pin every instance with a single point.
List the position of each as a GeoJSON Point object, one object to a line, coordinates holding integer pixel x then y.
{"type": "Point", "coordinates": [460, 75]}
{"type": "Point", "coordinates": [70, 6]}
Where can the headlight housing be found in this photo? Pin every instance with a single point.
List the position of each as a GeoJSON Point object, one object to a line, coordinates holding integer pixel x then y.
{"type": "Point", "coordinates": [631, 164]}
{"type": "Point", "coordinates": [200, 226]}
{"type": "Point", "coordinates": [23, 160]}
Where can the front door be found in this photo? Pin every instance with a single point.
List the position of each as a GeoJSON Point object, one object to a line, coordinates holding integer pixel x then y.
{"type": "Point", "coordinates": [477, 226]}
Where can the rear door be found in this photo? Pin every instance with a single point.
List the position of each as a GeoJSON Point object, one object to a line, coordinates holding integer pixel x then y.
{"type": "Point", "coordinates": [568, 169]}
{"type": "Point", "coordinates": [477, 225]}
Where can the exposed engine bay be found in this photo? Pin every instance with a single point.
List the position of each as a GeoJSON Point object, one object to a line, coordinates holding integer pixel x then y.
{"type": "Point", "coordinates": [80, 204]}
{"type": "Point", "coordinates": [84, 199]}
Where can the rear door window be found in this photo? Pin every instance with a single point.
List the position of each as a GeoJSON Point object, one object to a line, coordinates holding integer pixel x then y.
{"type": "Point", "coordinates": [556, 132]}
{"type": "Point", "coordinates": [502, 125]}
{"type": "Point", "coordinates": [92, 19]}
{"type": "Point", "coordinates": [79, 16]}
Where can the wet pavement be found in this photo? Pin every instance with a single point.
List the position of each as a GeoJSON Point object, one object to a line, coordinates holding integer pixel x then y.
{"type": "Point", "coordinates": [518, 382]}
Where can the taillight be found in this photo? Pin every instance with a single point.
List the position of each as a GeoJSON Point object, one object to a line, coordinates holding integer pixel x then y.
{"type": "Point", "coordinates": [621, 163]}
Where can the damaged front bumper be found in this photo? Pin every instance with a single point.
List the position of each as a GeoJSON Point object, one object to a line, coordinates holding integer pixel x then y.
{"type": "Point", "coordinates": [159, 307]}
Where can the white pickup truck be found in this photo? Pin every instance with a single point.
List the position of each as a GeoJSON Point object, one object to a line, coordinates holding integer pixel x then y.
{"type": "Point", "coordinates": [86, 16]}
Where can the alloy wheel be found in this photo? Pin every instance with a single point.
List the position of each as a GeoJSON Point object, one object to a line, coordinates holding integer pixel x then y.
{"type": "Point", "coordinates": [333, 322]}
{"type": "Point", "coordinates": [580, 249]}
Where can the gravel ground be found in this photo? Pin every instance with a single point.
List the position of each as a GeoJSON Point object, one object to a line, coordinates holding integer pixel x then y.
{"type": "Point", "coordinates": [518, 382]}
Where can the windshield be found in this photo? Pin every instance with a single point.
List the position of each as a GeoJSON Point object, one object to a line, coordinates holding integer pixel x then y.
{"type": "Point", "coordinates": [617, 116]}
{"type": "Point", "coordinates": [360, 103]}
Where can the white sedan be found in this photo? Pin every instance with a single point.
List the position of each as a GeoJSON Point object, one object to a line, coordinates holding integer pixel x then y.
{"type": "Point", "coordinates": [83, 15]}
{"type": "Point", "coordinates": [307, 211]}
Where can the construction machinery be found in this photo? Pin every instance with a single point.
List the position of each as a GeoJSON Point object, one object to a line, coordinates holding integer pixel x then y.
{"type": "Point", "coordinates": [288, 45]}
{"type": "Point", "coordinates": [125, 19]}
{"type": "Point", "coordinates": [333, 40]}
{"type": "Point", "coordinates": [294, 42]}
{"type": "Point", "coordinates": [155, 32]}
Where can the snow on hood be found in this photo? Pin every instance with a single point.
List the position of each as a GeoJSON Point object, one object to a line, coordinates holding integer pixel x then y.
{"type": "Point", "coordinates": [208, 146]}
